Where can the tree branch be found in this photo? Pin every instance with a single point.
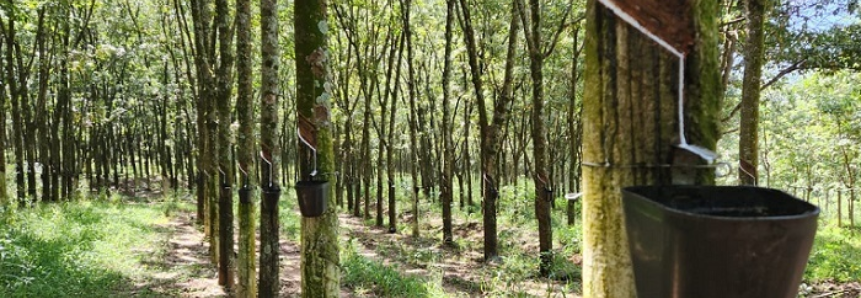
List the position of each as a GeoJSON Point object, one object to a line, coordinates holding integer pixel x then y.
{"type": "Point", "coordinates": [795, 66]}
{"type": "Point", "coordinates": [562, 26]}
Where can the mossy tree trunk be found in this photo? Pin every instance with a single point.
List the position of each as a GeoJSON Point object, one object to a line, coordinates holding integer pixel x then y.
{"type": "Point", "coordinates": [246, 286]}
{"type": "Point", "coordinates": [630, 118]}
{"type": "Point", "coordinates": [3, 199]}
{"type": "Point", "coordinates": [575, 133]}
{"type": "Point", "coordinates": [204, 58]}
{"type": "Point", "coordinates": [748, 142]}
{"type": "Point", "coordinates": [541, 180]}
{"type": "Point", "coordinates": [41, 112]}
{"type": "Point", "coordinates": [490, 131]}
{"type": "Point", "coordinates": [448, 150]}
{"type": "Point", "coordinates": [269, 247]}
{"type": "Point", "coordinates": [393, 88]}
{"type": "Point", "coordinates": [320, 263]}
{"type": "Point", "coordinates": [11, 80]}
{"type": "Point", "coordinates": [411, 86]}
{"type": "Point", "coordinates": [381, 127]}
{"type": "Point", "coordinates": [224, 88]}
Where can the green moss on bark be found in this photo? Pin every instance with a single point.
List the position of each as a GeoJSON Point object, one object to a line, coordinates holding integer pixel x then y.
{"type": "Point", "coordinates": [629, 111]}
{"type": "Point", "coordinates": [320, 251]}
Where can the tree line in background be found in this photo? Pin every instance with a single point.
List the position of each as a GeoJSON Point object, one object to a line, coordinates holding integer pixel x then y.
{"type": "Point", "coordinates": [212, 95]}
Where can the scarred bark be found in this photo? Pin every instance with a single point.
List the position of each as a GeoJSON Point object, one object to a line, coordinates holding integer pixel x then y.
{"type": "Point", "coordinates": [630, 118]}
{"type": "Point", "coordinates": [269, 246]}
{"type": "Point", "coordinates": [490, 133]}
{"type": "Point", "coordinates": [247, 266]}
{"type": "Point", "coordinates": [224, 89]}
{"type": "Point", "coordinates": [320, 265]}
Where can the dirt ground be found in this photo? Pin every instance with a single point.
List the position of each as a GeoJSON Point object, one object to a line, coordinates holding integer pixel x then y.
{"type": "Point", "coordinates": [184, 269]}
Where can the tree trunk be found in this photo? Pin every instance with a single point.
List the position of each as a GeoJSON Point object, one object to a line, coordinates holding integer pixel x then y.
{"type": "Point", "coordinates": [320, 264]}
{"type": "Point", "coordinates": [540, 177]}
{"type": "Point", "coordinates": [574, 134]}
{"type": "Point", "coordinates": [269, 245]}
{"type": "Point", "coordinates": [630, 118]}
{"type": "Point", "coordinates": [4, 200]}
{"type": "Point", "coordinates": [390, 139]}
{"type": "Point", "coordinates": [448, 151]}
{"type": "Point", "coordinates": [17, 125]}
{"type": "Point", "coordinates": [491, 140]}
{"type": "Point", "coordinates": [411, 86]}
{"type": "Point", "coordinates": [366, 153]}
{"type": "Point", "coordinates": [748, 142]}
{"type": "Point", "coordinates": [200, 14]}
{"type": "Point", "coordinates": [246, 286]}
{"type": "Point", "coordinates": [224, 87]}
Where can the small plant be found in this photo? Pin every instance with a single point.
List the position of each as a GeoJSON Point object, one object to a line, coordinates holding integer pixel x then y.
{"type": "Point", "coordinates": [84, 248]}
{"type": "Point", "coordinates": [835, 255]}
{"type": "Point", "coordinates": [361, 273]}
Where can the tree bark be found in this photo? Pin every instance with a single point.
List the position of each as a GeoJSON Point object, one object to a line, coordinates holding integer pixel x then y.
{"type": "Point", "coordinates": [4, 200]}
{"type": "Point", "coordinates": [246, 286]}
{"type": "Point", "coordinates": [490, 133]}
{"type": "Point", "coordinates": [411, 86]}
{"type": "Point", "coordinates": [540, 177]}
{"type": "Point", "coordinates": [630, 118]}
{"type": "Point", "coordinates": [748, 142]}
{"type": "Point", "coordinates": [269, 246]}
{"type": "Point", "coordinates": [224, 89]}
{"type": "Point", "coordinates": [17, 126]}
{"type": "Point", "coordinates": [390, 139]}
{"type": "Point", "coordinates": [448, 151]}
{"type": "Point", "coordinates": [575, 134]}
{"type": "Point", "coordinates": [320, 263]}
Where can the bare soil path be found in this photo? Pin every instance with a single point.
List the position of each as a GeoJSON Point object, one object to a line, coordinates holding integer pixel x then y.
{"type": "Point", "coordinates": [182, 268]}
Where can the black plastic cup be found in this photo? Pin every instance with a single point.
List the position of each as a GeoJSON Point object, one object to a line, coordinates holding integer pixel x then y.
{"type": "Point", "coordinates": [271, 194]}
{"type": "Point", "coordinates": [717, 241]}
{"type": "Point", "coordinates": [312, 196]}
{"type": "Point", "coordinates": [245, 195]}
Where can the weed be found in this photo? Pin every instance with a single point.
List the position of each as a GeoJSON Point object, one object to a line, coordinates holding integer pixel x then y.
{"type": "Point", "coordinates": [73, 248]}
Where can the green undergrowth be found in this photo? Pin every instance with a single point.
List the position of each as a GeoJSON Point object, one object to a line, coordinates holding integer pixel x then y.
{"type": "Point", "coordinates": [516, 273]}
{"type": "Point", "coordinates": [835, 255]}
{"type": "Point", "coordinates": [78, 248]}
{"type": "Point", "coordinates": [370, 277]}
{"type": "Point", "coordinates": [288, 215]}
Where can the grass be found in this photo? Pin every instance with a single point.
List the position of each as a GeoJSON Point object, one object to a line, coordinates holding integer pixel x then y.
{"type": "Point", "coordinates": [99, 248]}
{"type": "Point", "coordinates": [833, 258]}
{"type": "Point", "coordinates": [518, 249]}
{"type": "Point", "coordinates": [835, 255]}
{"type": "Point", "coordinates": [371, 277]}
{"type": "Point", "coordinates": [78, 248]}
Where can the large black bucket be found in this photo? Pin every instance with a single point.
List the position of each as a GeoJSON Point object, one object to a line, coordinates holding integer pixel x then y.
{"type": "Point", "coordinates": [312, 196]}
{"type": "Point", "coordinates": [717, 241]}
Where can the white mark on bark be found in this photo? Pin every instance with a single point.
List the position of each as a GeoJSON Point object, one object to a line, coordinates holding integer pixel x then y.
{"type": "Point", "coordinates": [323, 26]}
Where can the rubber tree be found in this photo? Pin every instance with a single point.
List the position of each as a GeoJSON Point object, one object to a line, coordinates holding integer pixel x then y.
{"type": "Point", "coordinates": [269, 246]}
{"type": "Point", "coordinates": [224, 88]}
{"type": "Point", "coordinates": [411, 87]}
{"type": "Point", "coordinates": [631, 118]}
{"type": "Point", "coordinates": [320, 263]}
{"type": "Point", "coordinates": [543, 187]}
{"type": "Point", "coordinates": [490, 130]}
{"type": "Point", "coordinates": [748, 142]}
{"type": "Point", "coordinates": [393, 88]}
{"type": "Point", "coordinates": [12, 75]}
{"type": "Point", "coordinates": [575, 131]}
{"type": "Point", "coordinates": [204, 57]}
{"type": "Point", "coordinates": [446, 190]}
{"type": "Point", "coordinates": [3, 199]}
{"type": "Point", "coordinates": [247, 266]}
